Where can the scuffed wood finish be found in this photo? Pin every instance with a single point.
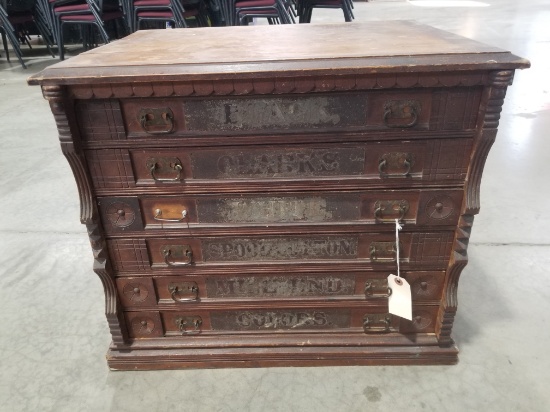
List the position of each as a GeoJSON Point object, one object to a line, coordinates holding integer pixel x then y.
{"type": "Point", "coordinates": [285, 52]}
{"type": "Point", "coordinates": [240, 187]}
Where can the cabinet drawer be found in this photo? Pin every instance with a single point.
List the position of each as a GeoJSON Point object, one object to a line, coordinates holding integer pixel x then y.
{"type": "Point", "coordinates": [293, 167]}
{"type": "Point", "coordinates": [413, 109]}
{"type": "Point", "coordinates": [150, 291]}
{"type": "Point", "coordinates": [221, 211]}
{"type": "Point", "coordinates": [152, 324]}
{"type": "Point", "coordinates": [421, 249]}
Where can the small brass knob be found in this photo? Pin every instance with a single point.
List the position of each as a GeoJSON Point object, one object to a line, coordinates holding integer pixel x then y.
{"type": "Point", "coordinates": [136, 290]}
{"type": "Point", "coordinates": [424, 285]}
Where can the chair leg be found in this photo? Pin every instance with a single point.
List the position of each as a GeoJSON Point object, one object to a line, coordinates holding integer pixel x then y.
{"type": "Point", "coordinates": [45, 35]}
{"type": "Point", "coordinates": [60, 41]}
{"type": "Point", "coordinates": [8, 33]}
{"type": "Point", "coordinates": [102, 32]}
{"type": "Point", "coordinates": [347, 17]}
{"type": "Point", "coordinates": [17, 50]}
{"type": "Point", "coordinates": [87, 36]}
{"type": "Point", "coordinates": [5, 43]}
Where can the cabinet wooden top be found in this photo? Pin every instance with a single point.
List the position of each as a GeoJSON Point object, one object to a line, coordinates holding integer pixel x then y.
{"type": "Point", "coordinates": [282, 50]}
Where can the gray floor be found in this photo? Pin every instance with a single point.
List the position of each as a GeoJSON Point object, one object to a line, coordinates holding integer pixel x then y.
{"type": "Point", "coordinates": [53, 335]}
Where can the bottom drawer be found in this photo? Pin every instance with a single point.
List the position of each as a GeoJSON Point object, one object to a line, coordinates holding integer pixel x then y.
{"type": "Point", "coordinates": [185, 324]}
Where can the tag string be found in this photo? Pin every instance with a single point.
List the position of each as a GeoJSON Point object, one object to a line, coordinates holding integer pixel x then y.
{"type": "Point", "coordinates": [397, 229]}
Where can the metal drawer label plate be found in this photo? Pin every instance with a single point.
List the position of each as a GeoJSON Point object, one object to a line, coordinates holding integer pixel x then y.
{"type": "Point", "coordinates": [279, 209]}
{"type": "Point", "coordinates": [280, 319]}
{"type": "Point", "coordinates": [280, 286]}
{"type": "Point", "coordinates": [270, 163]}
{"type": "Point", "coordinates": [245, 249]}
{"type": "Point", "coordinates": [273, 113]}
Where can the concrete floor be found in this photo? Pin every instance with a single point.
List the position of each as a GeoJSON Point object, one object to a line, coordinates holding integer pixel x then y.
{"type": "Point", "coordinates": [53, 334]}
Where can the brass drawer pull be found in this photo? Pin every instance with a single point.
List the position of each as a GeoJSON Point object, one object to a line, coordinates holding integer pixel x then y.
{"type": "Point", "coordinates": [189, 325]}
{"type": "Point", "coordinates": [183, 252]}
{"type": "Point", "coordinates": [377, 323]}
{"type": "Point", "coordinates": [381, 206]}
{"type": "Point", "coordinates": [393, 158]}
{"type": "Point", "coordinates": [184, 289]}
{"type": "Point", "coordinates": [383, 251]}
{"type": "Point", "coordinates": [158, 214]}
{"type": "Point", "coordinates": [157, 121]}
{"type": "Point", "coordinates": [377, 288]}
{"type": "Point", "coordinates": [177, 167]}
{"type": "Point", "coordinates": [398, 113]}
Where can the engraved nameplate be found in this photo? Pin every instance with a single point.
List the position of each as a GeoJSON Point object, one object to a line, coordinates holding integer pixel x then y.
{"type": "Point", "coordinates": [271, 113]}
{"type": "Point", "coordinates": [280, 286]}
{"type": "Point", "coordinates": [302, 162]}
{"type": "Point", "coordinates": [224, 250]}
{"type": "Point", "coordinates": [279, 209]}
{"type": "Point", "coordinates": [280, 319]}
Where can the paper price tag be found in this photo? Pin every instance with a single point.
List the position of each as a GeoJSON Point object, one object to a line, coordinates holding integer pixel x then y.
{"type": "Point", "coordinates": [400, 302]}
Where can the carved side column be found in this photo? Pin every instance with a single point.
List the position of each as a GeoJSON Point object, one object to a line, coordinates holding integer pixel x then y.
{"type": "Point", "coordinates": [459, 259]}
{"type": "Point", "coordinates": [492, 102]}
{"type": "Point", "coordinates": [113, 312]}
{"type": "Point", "coordinates": [88, 212]}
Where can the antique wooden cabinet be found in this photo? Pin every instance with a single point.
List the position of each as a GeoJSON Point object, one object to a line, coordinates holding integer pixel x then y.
{"type": "Point", "coordinates": [240, 186]}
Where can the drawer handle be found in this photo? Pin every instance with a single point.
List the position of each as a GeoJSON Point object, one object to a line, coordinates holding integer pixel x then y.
{"type": "Point", "coordinates": [184, 324]}
{"type": "Point", "coordinates": [372, 286]}
{"type": "Point", "coordinates": [180, 251]}
{"type": "Point", "coordinates": [406, 110]}
{"type": "Point", "coordinates": [383, 163]}
{"type": "Point", "coordinates": [188, 288]}
{"type": "Point", "coordinates": [402, 206]}
{"type": "Point", "coordinates": [381, 251]}
{"type": "Point", "coordinates": [159, 118]}
{"type": "Point", "coordinates": [158, 214]}
{"type": "Point", "coordinates": [177, 167]}
{"type": "Point", "coordinates": [377, 324]}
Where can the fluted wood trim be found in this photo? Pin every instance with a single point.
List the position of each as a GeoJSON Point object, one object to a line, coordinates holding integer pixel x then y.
{"type": "Point", "coordinates": [277, 85]}
{"type": "Point", "coordinates": [56, 97]}
{"type": "Point", "coordinates": [102, 268]}
{"type": "Point", "coordinates": [459, 260]}
{"type": "Point", "coordinates": [491, 107]}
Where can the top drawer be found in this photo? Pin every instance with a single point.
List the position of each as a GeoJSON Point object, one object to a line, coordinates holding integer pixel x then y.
{"type": "Point", "coordinates": [416, 109]}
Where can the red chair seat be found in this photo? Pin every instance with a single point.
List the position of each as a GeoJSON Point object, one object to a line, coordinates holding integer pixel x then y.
{"type": "Point", "coordinates": [90, 17]}
{"type": "Point", "coordinates": [74, 7]}
{"type": "Point", "coordinates": [156, 14]}
{"type": "Point", "coordinates": [255, 3]}
{"type": "Point", "coordinates": [140, 3]}
{"type": "Point", "coordinates": [190, 13]}
{"type": "Point", "coordinates": [259, 12]}
{"type": "Point", "coordinates": [20, 18]}
{"type": "Point", "coordinates": [336, 3]}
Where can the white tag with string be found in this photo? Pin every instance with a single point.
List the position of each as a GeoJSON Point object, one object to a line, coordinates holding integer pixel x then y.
{"type": "Point", "coordinates": [400, 301]}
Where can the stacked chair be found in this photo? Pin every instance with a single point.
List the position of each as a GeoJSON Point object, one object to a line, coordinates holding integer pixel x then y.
{"type": "Point", "coordinates": [305, 8]}
{"type": "Point", "coordinates": [42, 18]}
{"type": "Point", "coordinates": [85, 13]}
{"type": "Point", "coordinates": [18, 21]}
{"type": "Point", "coordinates": [202, 16]}
{"type": "Point", "coordinates": [175, 12]}
{"type": "Point", "coordinates": [275, 11]}
{"type": "Point", "coordinates": [8, 33]}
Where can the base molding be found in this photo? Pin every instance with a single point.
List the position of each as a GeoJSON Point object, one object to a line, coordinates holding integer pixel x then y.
{"type": "Point", "coordinates": [152, 359]}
